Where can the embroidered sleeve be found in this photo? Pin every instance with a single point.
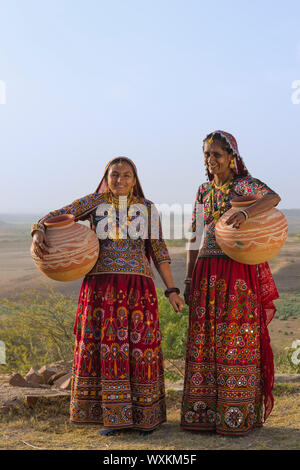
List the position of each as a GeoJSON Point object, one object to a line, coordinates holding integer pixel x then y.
{"type": "Point", "coordinates": [252, 187]}
{"type": "Point", "coordinates": [197, 211]}
{"type": "Point", "coordinates": [79, 208]}
{"type": "Point", "coordinates": [158, 249]}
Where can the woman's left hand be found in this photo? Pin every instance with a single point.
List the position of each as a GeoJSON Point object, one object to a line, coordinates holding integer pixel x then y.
{"type": "Point", "coordinates": [236, 220]}
{"type": "Point", "coordinates": [176, 301]}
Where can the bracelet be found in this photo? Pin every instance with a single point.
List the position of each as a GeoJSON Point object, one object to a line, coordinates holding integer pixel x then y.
{"type": "Point", "coordinates": [37, 228]}
{"type": "Point", "coordinates": [245, 213]}
{"type": "Point", "coordinates": [188, 280]}
{"type": "Point", "coordinates": [170, 290]}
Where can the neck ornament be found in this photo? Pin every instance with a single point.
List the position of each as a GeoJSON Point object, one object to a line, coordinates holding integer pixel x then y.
{"type": "Point", "coordinates": [225, 188]}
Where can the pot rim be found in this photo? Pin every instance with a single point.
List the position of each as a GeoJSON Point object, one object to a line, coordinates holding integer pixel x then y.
{"type": "Point", "coordinates": [59, 220]}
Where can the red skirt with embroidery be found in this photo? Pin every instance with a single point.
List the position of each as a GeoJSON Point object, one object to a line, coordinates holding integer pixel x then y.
{"type": "Point", "coordinates": [118, 377]}
{"type": "Point", "coordinates": [229, 372]}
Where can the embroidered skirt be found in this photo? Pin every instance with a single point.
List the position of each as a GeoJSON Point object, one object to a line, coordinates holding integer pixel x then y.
{"type": "Point", "coordinates": [229, 361]}
{"type": "Point", "coordinates": [118, 377]}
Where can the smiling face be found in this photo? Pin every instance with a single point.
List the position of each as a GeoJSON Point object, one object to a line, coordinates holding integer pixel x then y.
{"type": "Point", "coordinates": [217, 160]}
{"type": "Point", "coordinates": [120, 178]}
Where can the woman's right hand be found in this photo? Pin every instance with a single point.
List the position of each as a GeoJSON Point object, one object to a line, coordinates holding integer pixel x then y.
{"type": "Point", "coordinates": [39, 244]}
{"type": "Point", "coordinates": [186, 293]}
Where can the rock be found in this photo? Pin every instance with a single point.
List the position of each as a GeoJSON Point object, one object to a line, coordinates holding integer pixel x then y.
{"type": "Point", "coordinates": [47, 372]}
{"type": "Point", "coordinates": [56, 376]}
{"type": "Point", "coordinates": [63, 382]}
{"type": "Point", "coordinates": [34, 377]}
{"type": "Point", "coordinates": [18, 381]}
{"type": "Point", "coordinates": [287, 378]}
{"type": "Point", "coordinates": [31, 400]}
{"type": "Point", "coordinates": [66, 385]}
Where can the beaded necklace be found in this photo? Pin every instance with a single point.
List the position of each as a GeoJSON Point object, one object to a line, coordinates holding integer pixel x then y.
{"type": "Point", "coordinates": [225, 188]}
{"type": "Point", "coordinates": [117, 205]}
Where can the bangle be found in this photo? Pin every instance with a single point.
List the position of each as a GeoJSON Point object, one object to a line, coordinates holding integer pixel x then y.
{"type": "Point", "coordinates": [188, 280]}
{"type": "Point", "coordinates": [245, 213]}
{"type": "Point", "coordinates": [37, 228]}
{"type": "Point", "coordinates": [170, 290]}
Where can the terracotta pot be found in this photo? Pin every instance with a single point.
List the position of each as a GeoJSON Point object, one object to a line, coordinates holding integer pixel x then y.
{"type": "Point", "coordinates": [258, 240]}
{"type": "Point", "coordinates": [74, 249]}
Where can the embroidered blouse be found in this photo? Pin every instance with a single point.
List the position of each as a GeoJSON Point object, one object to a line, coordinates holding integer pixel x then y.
{"type": "Point", "coordinates": [126, 255]}
{"type": "Point", "coordinates": [242, 186]}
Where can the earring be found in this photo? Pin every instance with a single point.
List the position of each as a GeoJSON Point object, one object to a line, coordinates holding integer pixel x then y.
{"type": "Point", "coordinates": [232, 165]}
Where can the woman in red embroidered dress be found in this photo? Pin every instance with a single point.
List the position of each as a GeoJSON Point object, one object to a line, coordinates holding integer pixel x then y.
{"type": "Point", "coordinates": [118, 377]}
{"type": "Point", "coordinates": [229, 363]}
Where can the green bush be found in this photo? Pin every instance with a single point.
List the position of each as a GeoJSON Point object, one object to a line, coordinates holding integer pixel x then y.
{"type": "Point", "coordinates": [288, 306]}
{"type": "Point", "coordinates": [37, 329]}
{"type": "Point", "coordinates": [174, 328]}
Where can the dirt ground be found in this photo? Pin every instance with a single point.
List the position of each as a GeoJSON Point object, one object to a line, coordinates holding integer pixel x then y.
{"type": "Point", "coordinates": [49, 428]}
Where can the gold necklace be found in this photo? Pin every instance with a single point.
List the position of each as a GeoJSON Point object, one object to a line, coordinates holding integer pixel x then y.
{"type": "Point", "coordinates": [225, 188]}
{"type": "Point", "coordinates": [222, 186]}
{"type": "Point", "coordinates": [119, 203]}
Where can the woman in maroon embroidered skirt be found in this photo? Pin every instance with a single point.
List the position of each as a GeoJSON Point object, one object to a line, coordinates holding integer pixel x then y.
{"type": "Point", "coordinates": [229, 362]}
{"type": "Point", "coordinates": [118, 376]}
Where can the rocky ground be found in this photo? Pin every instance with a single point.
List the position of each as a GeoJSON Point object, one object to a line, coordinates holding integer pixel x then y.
{"type": "Point", "coordinates": [46, 426]}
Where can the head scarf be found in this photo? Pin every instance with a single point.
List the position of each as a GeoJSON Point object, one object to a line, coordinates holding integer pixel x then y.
{"type": "Point", "coordinates": [137, 189]}
{"type": "Point", "coordinates": [239, 165]}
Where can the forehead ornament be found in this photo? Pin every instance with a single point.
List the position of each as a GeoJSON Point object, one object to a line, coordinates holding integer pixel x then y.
{"type": "Point", "coordinates": [210, 140]}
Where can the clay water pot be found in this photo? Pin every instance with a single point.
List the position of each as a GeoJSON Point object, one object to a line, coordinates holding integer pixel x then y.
{"type": "Point", "coordinates": [257, 240]}
{"type": "Point", "coordinates": [73, 252]}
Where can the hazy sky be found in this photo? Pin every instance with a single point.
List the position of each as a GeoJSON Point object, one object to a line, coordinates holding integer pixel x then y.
{"type": "Point", "coordinates": [86, 81]}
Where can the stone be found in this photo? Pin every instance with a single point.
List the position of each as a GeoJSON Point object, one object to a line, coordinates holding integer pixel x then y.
{"type": "Point", "coordinates": [63, 382]}
{"type": "Point", "coordinates": [287, 378]}
{"type": "Point", "coordinates": [56, 376]}
{"type": "Point", "coordinates": [31, 400]}
{"type": "Point", "coordinates": [66, 385]}
{"type": "Point", "coordinates": [47, 372]}
{"type": "Point", "coordinates": [18, 381]}
{"type": "Point", "coordinates": [34, 377]}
